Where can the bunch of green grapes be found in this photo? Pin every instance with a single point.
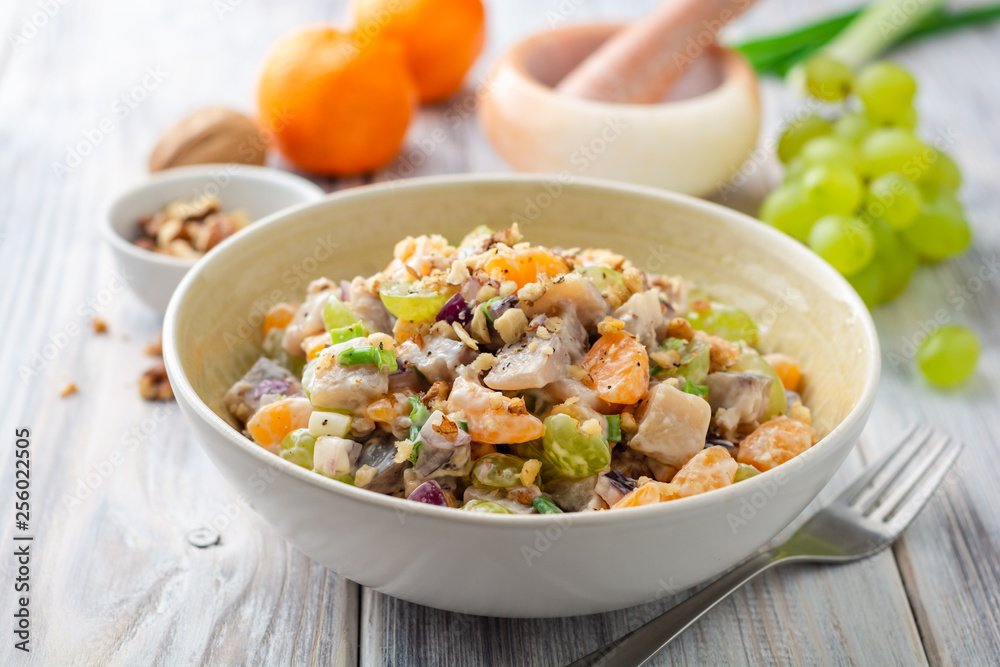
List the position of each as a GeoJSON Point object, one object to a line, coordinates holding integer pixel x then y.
{"type": "Point", "coordinates": [862, 190]}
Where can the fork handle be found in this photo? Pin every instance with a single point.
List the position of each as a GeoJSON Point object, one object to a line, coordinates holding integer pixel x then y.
{"type": "Point", "coordinates": [637, 647]}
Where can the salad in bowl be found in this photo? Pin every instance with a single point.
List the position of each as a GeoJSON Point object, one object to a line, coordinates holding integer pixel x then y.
{"type": "Point", "coordinates": [497, 376]}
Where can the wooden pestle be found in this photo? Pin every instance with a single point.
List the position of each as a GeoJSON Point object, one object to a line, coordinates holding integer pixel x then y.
{"type": "Point", "coordinates": [639, 64]}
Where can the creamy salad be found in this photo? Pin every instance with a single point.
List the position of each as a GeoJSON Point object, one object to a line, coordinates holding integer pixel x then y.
{"type": "Point", "coordinates": [494, 375]}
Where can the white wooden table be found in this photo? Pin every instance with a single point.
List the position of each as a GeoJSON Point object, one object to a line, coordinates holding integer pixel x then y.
{"type": "Point", "coordinates": [114, 579]}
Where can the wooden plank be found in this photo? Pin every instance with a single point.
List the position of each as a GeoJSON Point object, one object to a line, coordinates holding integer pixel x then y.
{"type": "Point", "coordinates": [115, 579]}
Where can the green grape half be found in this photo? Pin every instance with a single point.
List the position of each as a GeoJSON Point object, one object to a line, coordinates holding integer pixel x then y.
{"type": "Point", "coordinates": [833, 189]}
{"type": "Point", "coordinates": [942, 172]}
{"type": "Point", "coordinates": [845, 242]}
{"type": "Point", "coordinates": [789, 209]}
{"type": "Point", "coordinates": [948, 356]}
{"type": "Point", "coordinates": [827, 79]}
{"type": "Point", "coordinates": [571, 451]}
{"type": "Point", "coordinates": [869, 284]}
{"type": "Point", "coordinates": [886, 89]}
{"type": "Point", "coordinates": [411, 301]}
{"type": "Point", "coordinates": [798, 133]}
{"type": "Point", "coordinates": [894, 198]}
{"type": "Point", "coordinates": [939, 231]}
{"type": "Point", "coordinates": [497, 471]}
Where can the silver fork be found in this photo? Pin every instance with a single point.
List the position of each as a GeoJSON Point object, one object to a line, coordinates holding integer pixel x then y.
{"type": "Point", "coordinates": [863, 520]}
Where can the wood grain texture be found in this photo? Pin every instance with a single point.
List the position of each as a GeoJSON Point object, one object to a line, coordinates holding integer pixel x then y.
{"type": "Point", "coordinates": [115, 580]}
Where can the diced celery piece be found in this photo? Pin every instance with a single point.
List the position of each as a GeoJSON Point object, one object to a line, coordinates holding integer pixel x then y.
{"type": "Point", "coordinates": [725, 321]}
{"type": "Point", "coordinates": [350, 332]}
{"type": "Point", "coordinates": [297, 447]}
{"type": "Point", "coordinates": [743, 471]}
{"type": "Point", "coordinates": [614, 428]}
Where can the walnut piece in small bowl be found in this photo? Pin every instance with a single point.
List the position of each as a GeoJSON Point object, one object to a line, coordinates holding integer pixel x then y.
{"type": "Point", "coordinates": [190, 211]}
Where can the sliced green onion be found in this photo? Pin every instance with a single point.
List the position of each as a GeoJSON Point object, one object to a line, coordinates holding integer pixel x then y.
{"type": "Point", "coordinates": [486, 308]}
{"type": "Point", "coordinates": [614, 428]}
{"type": "Point", "coordinates": [419, 414]}
{"type": "Point", "coordinates": [415, 452]}
{"type": "Point", "coordinates": [696, 389]}
{"type": "Point", "coordinates": [350, 332]}
{"type": "Point", "coordinates": [376, 356]}
{"type": "Point", "coordinates": [544, 505]}
{"type": "Point", "coordinates": [464, 425]}
{"type": "Point", "coordinates": [877, 28]}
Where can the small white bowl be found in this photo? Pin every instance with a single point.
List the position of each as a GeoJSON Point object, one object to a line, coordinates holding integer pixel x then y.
{"type": "Point", "coordinates": [259, 191]}
{"type": "Point", "coordinates": [692, 143]}
{"type": "Point", "coordinates": [527, 565]}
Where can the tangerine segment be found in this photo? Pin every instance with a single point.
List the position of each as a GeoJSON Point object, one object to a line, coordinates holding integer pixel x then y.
{"type": "Point", "coordinates": [441, 38]}
{"type": "Point", "coordinates": [711, 468]}
{"type": "Point", "coordinates": [272, 422]}
{"type": "Point", "coordinates": [619, 367]}
{"type": "Point", "coordinates": [337, 104]}
{"type": "Point", "coordinates": [524, 266]}
{"type": "Point", "coordinates": [279, 316]}
{"type": "Point", "coordinates": [649, 493]}
{"type": "Point", "coordinates": [775, 442]}
{"type": "Point", "coordinates": [787, 369]}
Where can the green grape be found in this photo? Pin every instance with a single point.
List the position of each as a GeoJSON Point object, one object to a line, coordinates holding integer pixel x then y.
{"type": "Point", "coordinates": [894, 198]}
{"type": "Point", "coordinates": [852, 127]}
{"type": "Point", "coordinates": [789, 210]}
{"type": "Point", "coordinates": [411, 301]}
{"type": "Point", "coordinates": [827, 79]}
{"type": "Point", "coordinates": [794, 170]}
{"type": "Point", "coordinates": [743, 471]}
{"type": "Point", "coordinates": [572, 452]}
{"type": "Point", "coordinates": [907, 119]}
{"type": "Point", "coordinates": [828, 150]}
{"type": "Point", "coordinates": [846, 243]}
{"type": "Point", "coordinates": [948, 356]}
{"type": "Point", "coordinates": [751, 362]}
{"type": "Point", "coordinates": [886, 89]}
{"type": "Point", "coordinates": [298, 447]}
{"type": "Point", "coordinates": [892, 149]}
{"type": "Point", "coordinates": [942, 172]}
{"type": "Point", "coordinates": [336, 314]}
{"type": "Point", "coordinates": [833, 189]}
{"type": "Point", "coordinates": [486, 507]}
{"type": "Point", "coordinates": [798, 133]}
{"type": "Point", "coordinates": [694, 360]}
{"type": "Point", "coordinates": [725, 321]}
{"type": "Point", "coordinates": [497, 470]}
{"type": "Point", "coordinates": [605, 279]}
{"type": "Point", "coordinates": [868, 283]}
{"type": "Point", "coordinates": [939, 231]}
{"type": "Point", "coordinates": [895, 260]}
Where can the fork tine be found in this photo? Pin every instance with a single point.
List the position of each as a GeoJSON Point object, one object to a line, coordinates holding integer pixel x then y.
{"type": "Point", "coordinates": [848, 495]}
{"type": "Point", "coordinates": [900, 486]}
{"type": "Point", "coordinates": [923, 490]}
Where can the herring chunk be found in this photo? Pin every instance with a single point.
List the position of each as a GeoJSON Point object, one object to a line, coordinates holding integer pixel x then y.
{"type": "Point", "coordinates": [308, 320]}
{"type": "Point", "coordinates": [438, 359]}
{"type": "Point", "coordinates": [367, 305]}
{"type": "Point", "coordinates": [265, 380]}
{"type": "Point", "coordinates": [642, 315]}
{"type": "Point", "coordinates": [535, 360]}
{"type": "Point", "coordinates": [333, 386]}
{"type": "Point", "coordinates": [570, 293]}
{"type": "Point", "coordinates": [738, 399]}
{"type": "Point", "coordinates": [672, 425]}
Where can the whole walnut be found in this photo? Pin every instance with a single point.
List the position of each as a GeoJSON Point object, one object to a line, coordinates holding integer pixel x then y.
{"type": "Point", "coordinates": [210, 135]}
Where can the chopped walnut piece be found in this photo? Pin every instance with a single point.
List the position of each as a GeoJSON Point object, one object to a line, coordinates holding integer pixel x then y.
{"type": "Point", "coordinates": [511, 325]}
{"type": "Point", "coordinates": [436, 397]}
{"type": "Point", "coordinates": [666, 358]}
{"type": "Point", "coordinates": [100, 325]}
{"type": "Point", "coordinates": [531, 292]}
{"type": "Point", "coordinates": [678, 327]}
{"type": "Point", "coordinates": [364, 475]}
{"type": "Point", "coordinates": [484, 362]}
{"type": "Point", "coordinates": [155, 349]}
{"type": "Point", "coordinates": [628, 423]}
{"type": "Point", "coordinates": [529, 471]}
{"type": "Point", "coordinates": [722, 353]}
{"type": "Point", "coordinates": [154, 384]}
{"type": "Point", "coordinates": [633, 278]}
{"type": "Point", "coordinates": [801, 413]}
{"type": "Point", "coordinates": [609, 325]}
{"type": "Point", "coordinates": [464, 336]}
{"type": "Point", "coordinates": [577, 373]}
{"type": "Point", "coordinates": [68, 389]}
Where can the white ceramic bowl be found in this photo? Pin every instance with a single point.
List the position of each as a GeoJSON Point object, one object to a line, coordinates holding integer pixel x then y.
{"type": "Point", "coordinates": [529, 565]}
{"type": "Point", "coordinates": [260, 191]}
{"type": "Point", "coordinates": [691, 143]}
